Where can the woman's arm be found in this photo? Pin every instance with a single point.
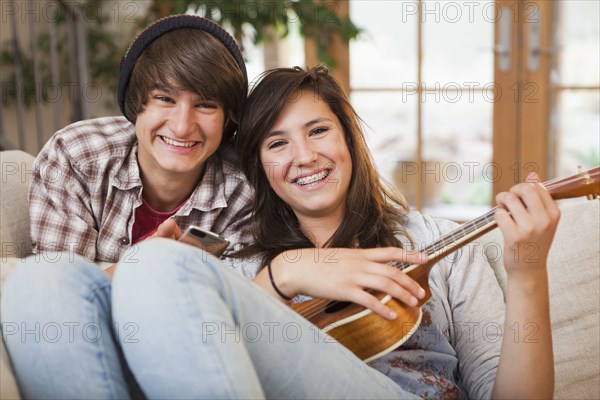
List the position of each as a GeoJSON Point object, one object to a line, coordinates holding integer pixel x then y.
{"type": "Point", "coordinates": [528, 218]}
{"type": "Point", "coordinates": [344, 274]}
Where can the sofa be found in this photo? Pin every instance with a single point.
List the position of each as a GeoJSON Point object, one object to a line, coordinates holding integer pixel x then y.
{"type": "Point", "coordinates": [574, 273]}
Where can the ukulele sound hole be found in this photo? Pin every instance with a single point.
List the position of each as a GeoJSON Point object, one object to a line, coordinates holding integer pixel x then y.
{"type": "Point", "coordinates": [336, 306]}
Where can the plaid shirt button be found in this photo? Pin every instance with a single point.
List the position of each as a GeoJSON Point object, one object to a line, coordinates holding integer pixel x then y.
{"type": "Point", "coordinates": [124, 241]}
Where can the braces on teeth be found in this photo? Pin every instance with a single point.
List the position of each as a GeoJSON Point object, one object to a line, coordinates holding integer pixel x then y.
{"type": "Point", "coordinates": [313, 178]}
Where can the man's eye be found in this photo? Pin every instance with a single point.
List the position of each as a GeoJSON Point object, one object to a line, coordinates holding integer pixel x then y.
{"type": "Point", "coordinates": [207, 105]}
{"type": "Point", "coordinates": [164, 98]}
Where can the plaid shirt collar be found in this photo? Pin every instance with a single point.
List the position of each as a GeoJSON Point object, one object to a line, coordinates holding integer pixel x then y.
{"type": "Point", "coordinates": [128, 176]}
{"type": "Point", "coordinates": [208, 195]}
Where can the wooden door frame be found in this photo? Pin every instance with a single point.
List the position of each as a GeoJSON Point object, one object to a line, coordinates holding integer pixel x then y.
{"type": "Point", "coordinates": [523, 103]}
{"type": "Point", "coordinates": [338, 50]}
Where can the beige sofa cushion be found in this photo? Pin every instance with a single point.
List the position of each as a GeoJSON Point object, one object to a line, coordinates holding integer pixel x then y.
{"type": "Point", "coordinates": [8, 386]}
{"type": "Point", "coordinates": [14, 234]}
{"type": "Point", "coordinates": [574, 270]}
{"type": "Point", "coordinates": [14, 211]}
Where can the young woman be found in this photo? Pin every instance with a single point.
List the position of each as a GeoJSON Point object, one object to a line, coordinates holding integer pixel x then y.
{"type": "Point", "coordinates": [303, 150]}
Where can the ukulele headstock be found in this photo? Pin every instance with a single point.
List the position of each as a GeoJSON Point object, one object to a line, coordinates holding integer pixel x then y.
{"type": "Point", "coordinates": [585, 183]}
{"type": "Point", "coordinates": [587, 180]}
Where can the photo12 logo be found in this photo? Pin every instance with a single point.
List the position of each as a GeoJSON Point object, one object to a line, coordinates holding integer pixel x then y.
{"type": "Point", "coordinates": [469, 11]}
{"type": "Point", "coordinates": [54, 11]}
{"type": "Point", "coordinates": [68, 332]}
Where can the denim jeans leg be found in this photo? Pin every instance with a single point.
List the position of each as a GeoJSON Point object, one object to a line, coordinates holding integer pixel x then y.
{"type": "Point", "coordinates": [204, 331]}
{"type": "Point", "coordinates": [56, 323]}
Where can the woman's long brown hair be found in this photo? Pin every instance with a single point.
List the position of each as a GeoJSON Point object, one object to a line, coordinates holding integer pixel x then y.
{"type": "Point", "coordinates": [375, 214]}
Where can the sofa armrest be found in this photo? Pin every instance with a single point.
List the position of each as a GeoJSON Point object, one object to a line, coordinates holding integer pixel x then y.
{"type": "Point", "coordinates": [15, 239]}
{"type": "Point", "coordinates": [14, 210]}
{"type": "Point", "coordinates": [574, 284]}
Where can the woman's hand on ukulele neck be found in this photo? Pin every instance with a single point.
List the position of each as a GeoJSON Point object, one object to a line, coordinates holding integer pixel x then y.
{"type": "Point", "coordinates": [528, 218]}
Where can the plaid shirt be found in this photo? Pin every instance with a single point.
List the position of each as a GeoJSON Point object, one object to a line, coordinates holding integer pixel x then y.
{"type": "Point", "coordinates": [86, 185]}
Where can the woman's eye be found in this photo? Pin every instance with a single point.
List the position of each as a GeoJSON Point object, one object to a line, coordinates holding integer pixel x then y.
{"type": "Point", "coordinates": [207, 105]}
{"type": "Point", "coordinates": [317, 131]}
{"type": "Point", "coordinates": [275, 144]}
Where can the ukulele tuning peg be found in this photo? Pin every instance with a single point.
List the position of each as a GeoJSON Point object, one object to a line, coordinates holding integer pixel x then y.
{"type": "Point", "coordinates": [587, 180]}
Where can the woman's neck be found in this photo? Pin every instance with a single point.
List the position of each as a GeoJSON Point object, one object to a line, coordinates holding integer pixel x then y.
{"type": "Point", "coordinates": [319, 229]}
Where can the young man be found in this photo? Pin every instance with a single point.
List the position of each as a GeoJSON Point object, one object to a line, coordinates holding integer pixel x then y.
{"type": "Point", "coordinates": [100, 186]}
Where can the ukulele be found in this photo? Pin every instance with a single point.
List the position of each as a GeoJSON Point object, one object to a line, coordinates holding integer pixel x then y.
{"type": "Point", "coordinates": [370, 336]}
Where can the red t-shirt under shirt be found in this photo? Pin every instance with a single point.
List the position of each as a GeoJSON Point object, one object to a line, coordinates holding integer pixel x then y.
{"type": "Point", "coordinates": [147, 220]}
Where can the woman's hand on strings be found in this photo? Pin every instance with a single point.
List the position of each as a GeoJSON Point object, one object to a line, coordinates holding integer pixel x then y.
{"type": "Point", "coordinates": [344, 274]}
{"type": "Point", "coordinates": [528, 218]}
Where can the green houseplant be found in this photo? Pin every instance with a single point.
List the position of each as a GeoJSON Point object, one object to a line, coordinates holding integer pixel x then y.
{"type": "Point", "coordinates": [261, 20]}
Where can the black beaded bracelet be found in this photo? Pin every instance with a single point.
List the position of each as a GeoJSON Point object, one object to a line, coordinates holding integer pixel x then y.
{"type": "Point", "coordinates": [279, 292]}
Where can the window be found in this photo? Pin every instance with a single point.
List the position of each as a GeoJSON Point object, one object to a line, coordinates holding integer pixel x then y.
{"type": "Point", "coordinates": [463, 98]}
{"type": "Point", "coordinates": [422, 80]}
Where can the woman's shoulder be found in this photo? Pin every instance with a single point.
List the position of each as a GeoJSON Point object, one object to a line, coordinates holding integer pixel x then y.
{"type": "Point", "coordinates": [424, 228]}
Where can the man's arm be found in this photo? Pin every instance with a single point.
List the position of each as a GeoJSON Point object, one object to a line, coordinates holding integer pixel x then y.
{"type": "Point", "coordinates": [59, 205]}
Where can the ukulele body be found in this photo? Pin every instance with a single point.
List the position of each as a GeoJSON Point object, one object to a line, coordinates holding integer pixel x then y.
{"type": "Point", "coordinates": [357, 328]}
{"type": "Point", "coordinates": [366, 334]}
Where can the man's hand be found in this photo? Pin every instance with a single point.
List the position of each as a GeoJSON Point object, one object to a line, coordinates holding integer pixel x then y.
{"type": "Point", "coordinates": [168, 229]}
{"type": "Point", "coordinates": [111, 270]}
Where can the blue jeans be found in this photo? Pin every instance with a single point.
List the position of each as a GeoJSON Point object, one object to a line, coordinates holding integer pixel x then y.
{"type": "Point", "coordinates": [184, 324]}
